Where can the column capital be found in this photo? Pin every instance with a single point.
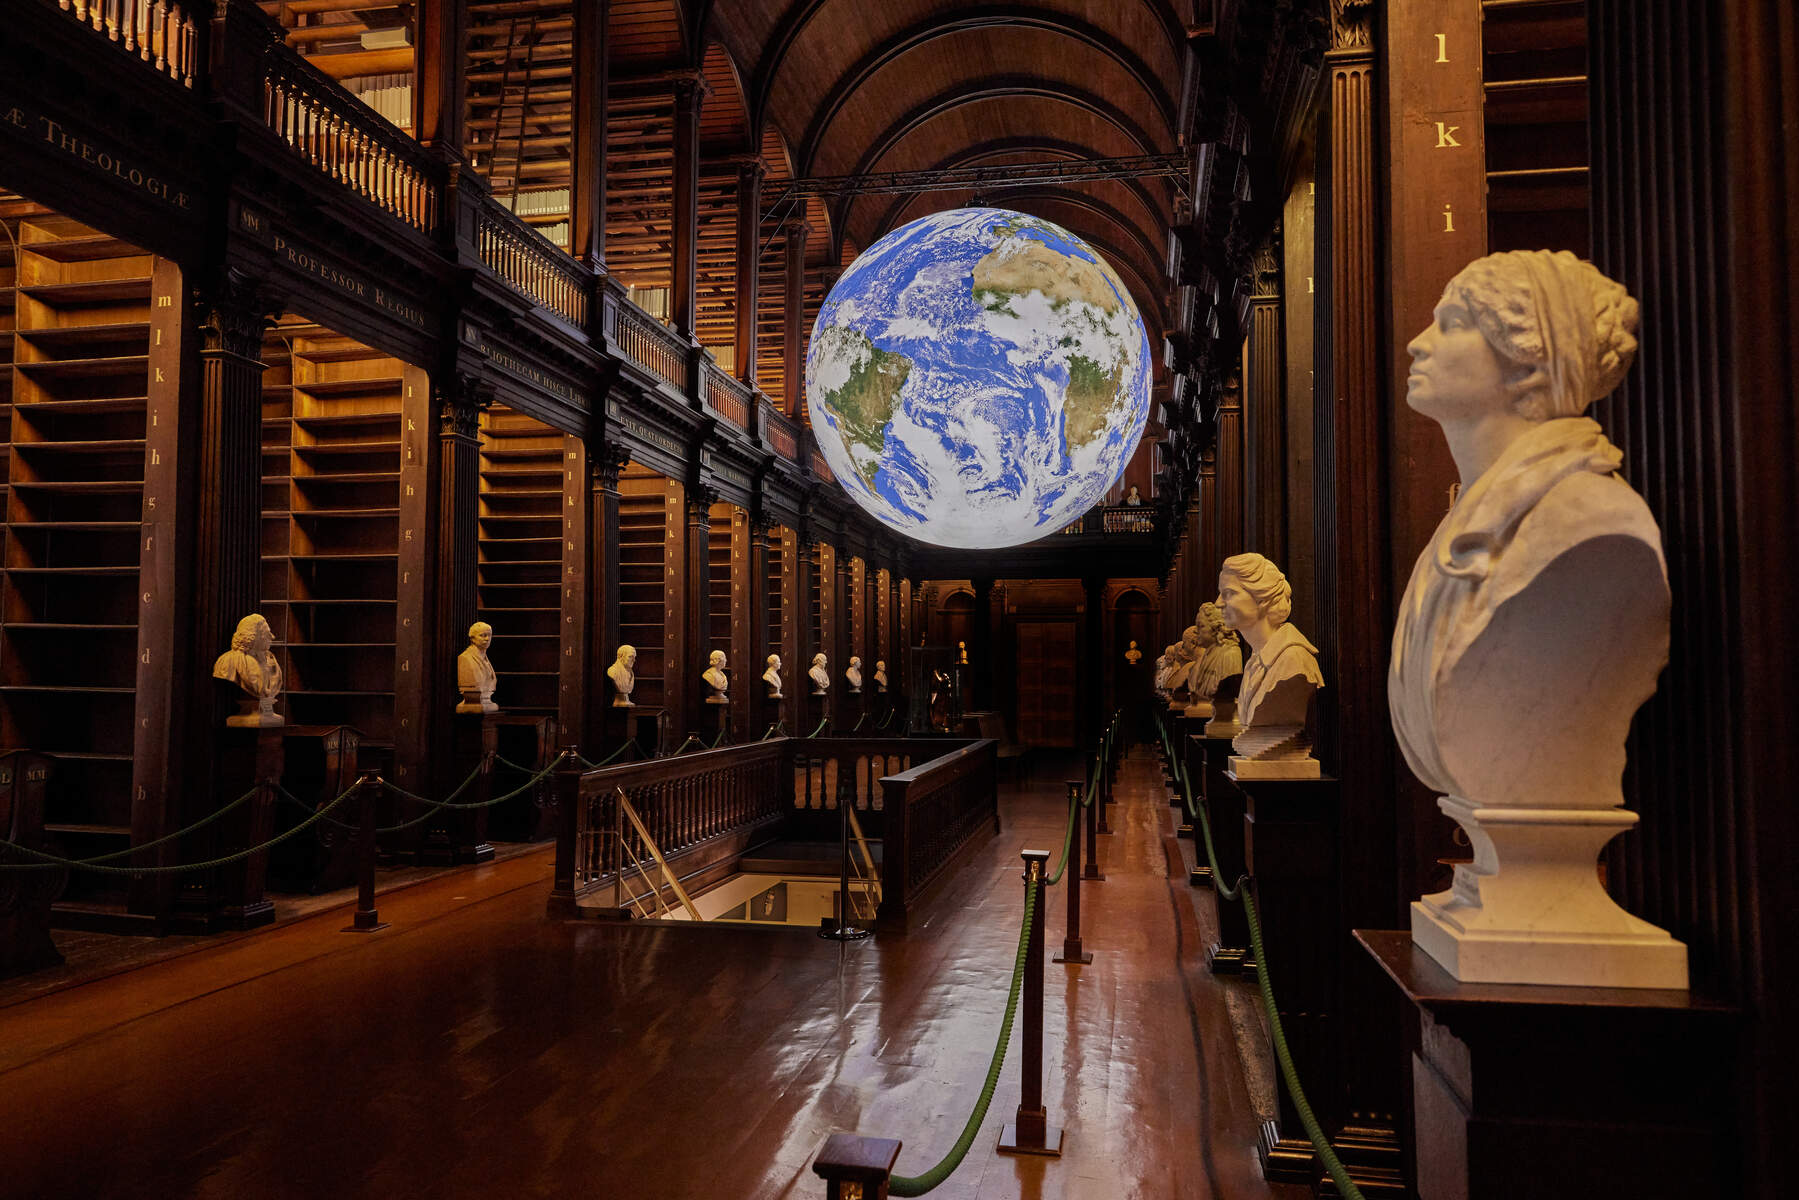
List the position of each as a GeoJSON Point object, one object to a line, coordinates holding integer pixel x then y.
{"type": "Point", "coordinates": [234, 314]}
{"type": "Point", "coordinates": [691, 90]}
{"type": "Point", "coordinates": [700, 499]}
{"type": "Point", "coordinates": [604, 461]}
{"type": "Point", "coordinates": [461, 399]}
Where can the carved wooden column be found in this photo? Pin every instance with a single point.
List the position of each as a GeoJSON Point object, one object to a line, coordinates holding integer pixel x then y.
{"type": "Point", "coordinates": [803, 554]}
{"type": "Point", "coordinates": [440, 78]}
{"type": "Point", "coordinates": [416, 712]}
{"type": "Point", "coordinates": [749, 264]}
{"type": "Point", "coordinates": [1093, 658]}
{"type": "Point", "coordinates": [228, 499]}
{"type": "Point", "coordinates": [587, 199]}
{"type": "Point", "coordinates": [747, 681]}
{"type": "Point", "coordinates": [843, 599]}
{"type": "Point", "coordinates": [690, 93]}
{"type": "Point", "coordinates": [1264, 415]}
{"type": "Point", "coordinates": [1202, 568]}
{"type": "Point", "coordinates": [793, 328]}
{"type": "Point", "coordinates": [1354, 590]}
{"type": "Point", "coordinates": [980, 647]}
{"type": "Point", "coordinates": [604, 461]}
{"type": "Point", "coordinates": [460, 400]}
{"type": "Point", "coordinates": [1227, 514]}
{"type": "Point", "coordinates": [1299, 225]}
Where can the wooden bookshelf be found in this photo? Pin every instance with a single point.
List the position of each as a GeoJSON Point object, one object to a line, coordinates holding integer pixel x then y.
{"type": "Point", "coordinates": [78, 385]}
{"type": "Point", "coordinates": [335, 517]}
{"type": "Point", "coordinates": [520, 559]}
{"type": "Point", "coordinates": [718, 585]}
{"type": "Point", "coordinates": [777, 550]}
{"type": "Point", "coordinates": [642, 531]}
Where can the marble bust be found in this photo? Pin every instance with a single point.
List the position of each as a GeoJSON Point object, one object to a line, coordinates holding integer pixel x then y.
{"type": "Point", "coordinates": [623, 675]}
{"type": "Point", "coordinates": [819, 675]}
{"type": "Point", "coordinates": [250, 666]}
{"type": "Point", "coordinates": [714, 677]}
{"type": "Point", "coordinates": [1534, 625]}
{"type": "Point", "coordinates": [1133, 497]}
{"type": "Point", "coordinates": [880, 675]}
{"type": "Point", "coordinates": [475, 676]}
{"type": "Point", "coordinates": [1133, 656]}
{"type": "Point", "coordinates": [772, 677]}
{"type": "Point", "coordinates": [1180, 665]}
{"type": "Point", "coordinates": [1216, 676]}
{"type": "Point", "coordinates": [962, 654]}
{"type": "Point", "coordinates": [853, 676]}
{"type": "Point", "coordinates": [1255, 600]}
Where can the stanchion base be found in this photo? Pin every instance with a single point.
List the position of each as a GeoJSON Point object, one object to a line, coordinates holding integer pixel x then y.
{"type": "Point", "coordinates": [1051, 1146]}
{"type": "Point", "coordinates": [1229, 960]}
{"type": "Point", "coordinates": [1073, 954]}
{"type": "Point", "coordinates": [361, 927]}
{"type": "Point", "coordinates": [1092, 877]}
{"type": "Point", "coordinates": [830, 930]}
{"type": "Point", "coordinates": [1199, 877]}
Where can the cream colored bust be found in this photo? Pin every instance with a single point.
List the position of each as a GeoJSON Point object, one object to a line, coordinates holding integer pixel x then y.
{"type": "Point", "coordinates": [714, 677]}
{"type": "Point", "coordinates": [1181, 658]}
{"type": "Point", "coordinates": [819, 675]}
{"type": "Point", "coordinates": [1534, 626]}
{"type": "Point", "coordinates": [1255, 600]}
{"type": "Point", "coordinates": [1222, 660]}
{"type": "Point", "coordinates": [880, 675]}
{"type": "Point", "coordinates": [251, 667]}
{"type": "Point", "coordinates": [623, 675]}
{"type": "Point", "coordinates": [772, 677]}
{"type": "Point", "coordinates": [1203, 641]}
{"type": "Point", "coordinates": [1133, 656]}
{"type": "Point", "coordinates": [475, 676]}
{"type": "Point", "coordinates": [852, 675]}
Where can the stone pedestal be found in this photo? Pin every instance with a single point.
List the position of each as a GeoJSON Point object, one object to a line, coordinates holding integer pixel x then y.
{"type": "Point", "coordinates": [459, 835]}
{"type": "Point", "coordinates": [530, 742]}
{"type": "Point", "coordinates": [319, 762]}
{"type": "Point", "coordinates": [1530, 907]}
{"type": "Point", "coordinates": [719, 708]}
{"type": "Point", "coordinates": [640, 723]}
{"type": "Point", "coordinates": [1561, 1093]}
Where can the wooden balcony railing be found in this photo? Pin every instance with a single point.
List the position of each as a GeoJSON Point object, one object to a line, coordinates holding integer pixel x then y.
{"type": "Point", "coordinates": [530, 262]}
{"type": "Point", "coordinates": [348, 141]}
{"type": "Point", "coordinates": [781, 434]}
{"type": "Point", "coordinates": [684, 801]}
{"type": "Point", "coordinates": [649, 343]}
{"type": "Point", "coordinates": [1114, 519]}
{"type": "Point", "coordinates": [930, 815]}
{"type": "Point", "coordinates": [159, 32]}
{"type": "Point", "coordinates": [820, 467]}
{"type": "Point", "coordinates": [729, 397]}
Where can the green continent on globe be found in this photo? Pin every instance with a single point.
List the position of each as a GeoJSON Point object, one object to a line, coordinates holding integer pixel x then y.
{"type": "Point", "coordinates": [864, 404]}
{"type": "Point", "coordinates": [1087, 404]}
{"type": "Point", "coordinates": [1019, 266]}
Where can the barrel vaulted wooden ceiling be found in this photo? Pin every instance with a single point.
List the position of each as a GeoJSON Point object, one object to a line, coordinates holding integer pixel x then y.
{"type": "Point", "coordinates": [823, 88]}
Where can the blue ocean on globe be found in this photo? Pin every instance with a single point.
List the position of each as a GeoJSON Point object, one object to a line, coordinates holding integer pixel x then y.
{"type": "Point", "coordinates": [978, 378]}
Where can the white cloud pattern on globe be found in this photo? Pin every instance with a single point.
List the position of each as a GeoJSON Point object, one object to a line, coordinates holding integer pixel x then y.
{"type": "Point", "coordinates": [978, 378]}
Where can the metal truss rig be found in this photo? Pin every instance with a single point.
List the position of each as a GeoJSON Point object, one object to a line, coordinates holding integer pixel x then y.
{"type": "Point", "coordinates": [1004, 176]}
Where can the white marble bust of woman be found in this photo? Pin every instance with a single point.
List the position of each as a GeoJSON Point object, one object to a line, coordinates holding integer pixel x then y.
{"type": "Point", "coordinates": [1255, 600]}
{"type": "Point", "coordinates": [820, 675]}
{"type": "Point", "coordinates": [714, 677]}
{"type": "Point", "coordinates": [251, 666]}
{"type": "Point", "coordinates": [772, 677]}
{"type": "Point", "coordinates": [1533, 627]}
{"type": "Point", "coordinates": [1536, 620]}
{"type": "Point", "coordinates": [623, 674]}
{"type": "Point", "coordinates": [475, 676]}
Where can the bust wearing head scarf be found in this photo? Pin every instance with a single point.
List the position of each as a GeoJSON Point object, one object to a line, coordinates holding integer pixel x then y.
{"type": "Point", "coordinates": [1533, 627]}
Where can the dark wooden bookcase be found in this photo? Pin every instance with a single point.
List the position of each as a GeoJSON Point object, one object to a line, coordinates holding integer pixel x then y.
{"type": "Point", "coordinates": [643, 515]}
{"type": "Point", "coordinates": [520, 560]}
{"type": "Point", "coordinates": [92, 350]}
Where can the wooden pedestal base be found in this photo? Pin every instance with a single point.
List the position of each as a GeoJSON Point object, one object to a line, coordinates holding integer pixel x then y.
{"type": "Point", "coordinates": [1559, 1092]}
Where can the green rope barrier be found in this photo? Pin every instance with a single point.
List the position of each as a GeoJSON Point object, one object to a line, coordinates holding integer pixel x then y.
{"type": "Point", "coordinates": [462, 787]}
{"type": "Point", "coordinates": [719, 740]}
{"type": "Point", "coordinates": [1074, 806]}
{"type": "Point", "coordinates": [918, 1185]}
{"type": "Point", "coordinates": [1327, 1154]}
{"type": "Point", "coordinates": [435, 806]}
{"type": "Point", "coordinates": [226, 860]}
{"type": "Point", "coordinates": [777, 727]}
{"type": "Point", "coordinates": [98, 858]}
{"type": "Point", "coordinates": [821, 724]}
{"type": "Point", "coordinates": [692, 740]}
{"type": "Point", "coordinates": [594, 766]}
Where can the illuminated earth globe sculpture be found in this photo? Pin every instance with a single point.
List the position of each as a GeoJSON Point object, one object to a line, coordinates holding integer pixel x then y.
{"type": "Point", "coordinates": [978, 378]}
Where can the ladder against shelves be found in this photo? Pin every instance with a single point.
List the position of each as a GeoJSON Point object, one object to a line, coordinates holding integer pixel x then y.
{"type": "Point", "coordinates": [85, 342]}
{"type": "Point", "coordinates": [520, 561]}
{"type": "Point", "coordinates": [519, 107]}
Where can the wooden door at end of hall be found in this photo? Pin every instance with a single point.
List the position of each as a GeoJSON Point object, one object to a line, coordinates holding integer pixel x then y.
{"type": "Point", "coordinates": [1047, 672]}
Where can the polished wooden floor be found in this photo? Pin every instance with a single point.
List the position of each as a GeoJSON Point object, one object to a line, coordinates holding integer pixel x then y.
{"type": "Point", "coordinates": [477, 1049]}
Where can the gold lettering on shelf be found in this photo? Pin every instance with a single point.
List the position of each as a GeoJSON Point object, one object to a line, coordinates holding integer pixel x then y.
{"type": "Point", "coordinates": [1442, 48]}
{"type": "Point", "coordinates": [1446, 136]}
{"type": "Point", "coordinates": [1448, 219]}
{"type": "Point", "coordinates": [159, 378]}
{"type": "Point", "coordinates": [77, 147]}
